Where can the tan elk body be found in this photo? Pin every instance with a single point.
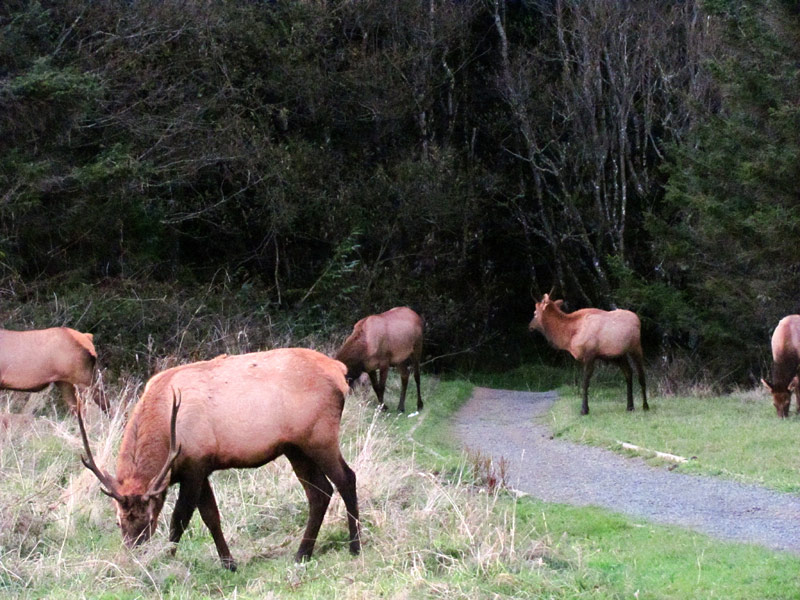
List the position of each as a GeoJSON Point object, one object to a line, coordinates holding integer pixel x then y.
{"type": "Point", "coordinates": [233, 412]}
{"type": "Point", "coordinates": [590, 334]}
{"type": "Point", "coordinates": [32, 360]}
{"type": "Point", "coordinates": [390, 339]}
{"type": "Point", "coordinates": [785, 364]}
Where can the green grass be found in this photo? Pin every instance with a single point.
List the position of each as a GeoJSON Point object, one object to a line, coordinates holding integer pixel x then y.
{"type": "Point", "coordinates": [735, 436]}
{"type": "Point", "coordinates": [432, 529]}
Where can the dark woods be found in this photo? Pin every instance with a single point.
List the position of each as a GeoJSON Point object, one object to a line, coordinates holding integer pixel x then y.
{"type": "Point", "coordinates": [332, 159]}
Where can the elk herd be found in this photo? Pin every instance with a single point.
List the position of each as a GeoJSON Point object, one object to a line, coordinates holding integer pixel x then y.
{"type": "Point", "coordinates": [246, 410]}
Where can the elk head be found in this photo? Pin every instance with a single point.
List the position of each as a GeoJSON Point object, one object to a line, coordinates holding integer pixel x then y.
{"type": "Point", "coordinates": [541, 306]}
{"type": "Point", "coordinates": [781, 399]}
{"type": "Point", "coordinates": [137, 513]}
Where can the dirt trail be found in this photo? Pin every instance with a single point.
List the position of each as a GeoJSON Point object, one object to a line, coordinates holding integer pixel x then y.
{"type": "Point", "coordinates": [510, 424]}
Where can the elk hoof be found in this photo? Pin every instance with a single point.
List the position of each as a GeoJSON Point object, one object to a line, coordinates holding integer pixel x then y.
{"type": "Point", "coordinates": [229, 563]}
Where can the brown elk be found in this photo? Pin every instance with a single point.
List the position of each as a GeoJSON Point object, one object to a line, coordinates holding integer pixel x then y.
{"type": "Point", "coordinates": [235, 412]}
{"type": "Point", "coordinates": [785, 364]}
{"type": "Point", "coordinates": [392, 338]}
{"type": "Point", "coordinates": [32, 360]}
{"type": "Point", "coordinates": [590, 334]}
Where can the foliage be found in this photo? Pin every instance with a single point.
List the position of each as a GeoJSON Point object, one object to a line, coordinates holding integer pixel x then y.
{"type": "Point", "coordinates": [343, 158]}
{"type": "Point", "coordinates": [727, 226]}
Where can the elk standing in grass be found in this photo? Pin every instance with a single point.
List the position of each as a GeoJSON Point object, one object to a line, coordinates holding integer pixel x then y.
{"type": "Point", "coordinates": [231, 412]}
{"type": "Point", "coordinates": [786, 362]}
{"type": "Point", "coordinates": [32, 360]}
{"type": "Point", "coordinates": [591, 333]}
{"type": "Point", "coordinates": [392, 338]}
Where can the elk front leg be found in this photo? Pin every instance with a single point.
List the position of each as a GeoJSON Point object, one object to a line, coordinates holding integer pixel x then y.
{"type": "Point", "coordinates": [207, 505]}
{"type": "Point", "coordinates": [68, 395]}
{"type": "Point", "coordinates": [379, 384]}
{"type": "Point", "coordinates": [184, 509]}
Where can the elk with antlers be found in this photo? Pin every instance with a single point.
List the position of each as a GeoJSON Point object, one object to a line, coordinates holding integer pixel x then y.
{"type": "Point", "coordinates": [591, 333]}
{"type": "Point", "coordinates": [231, 412]}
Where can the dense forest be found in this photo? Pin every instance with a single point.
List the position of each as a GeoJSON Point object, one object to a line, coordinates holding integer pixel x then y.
{"type": "Point", "coordinates": [167, 165]}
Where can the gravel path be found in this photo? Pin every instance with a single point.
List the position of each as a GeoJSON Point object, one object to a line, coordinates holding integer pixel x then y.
{"type": "Point", "coordinates": [510, 424]}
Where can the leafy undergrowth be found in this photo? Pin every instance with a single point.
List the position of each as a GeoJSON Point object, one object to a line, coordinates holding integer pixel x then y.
{"type": "Point", "coordinates": [433, 526]}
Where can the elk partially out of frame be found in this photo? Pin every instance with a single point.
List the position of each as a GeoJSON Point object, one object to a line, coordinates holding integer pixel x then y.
{"type": "Point", "coordinates": [32, 360]}
{"type": "Point", "coordinates": [785, 365]}
{"type": "Point", "coordinates": [392, 338]}
{"type": "Point", "coordinates": [231, 412]}
{"type": "Point", "coordinates": [591, 333]}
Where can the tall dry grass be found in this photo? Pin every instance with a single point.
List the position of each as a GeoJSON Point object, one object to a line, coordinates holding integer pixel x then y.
{"type": "Point", "coordinates": [426, 534]}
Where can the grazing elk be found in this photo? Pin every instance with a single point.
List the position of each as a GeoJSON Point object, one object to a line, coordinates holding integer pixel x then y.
{"type": "Point", "coordinates": [392, 338]}
{"type": "Point", "coordinates": [32, 360]}
{"type": "Point", "coordinates": [786, 361]}
{"type": "Point", "coordinates": [591, 333]}
{"type": "Point", "coordinates": [231, 412]}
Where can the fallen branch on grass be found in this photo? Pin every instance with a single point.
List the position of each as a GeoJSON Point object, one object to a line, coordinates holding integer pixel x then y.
{"type": "Point", "coordinates": [664, 455]}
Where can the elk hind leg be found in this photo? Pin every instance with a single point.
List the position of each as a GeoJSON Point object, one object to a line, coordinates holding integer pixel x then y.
{"type": "Point", "coordinates": [207, 505]}
{"type": "Point", "coordinates": [402, 368]}
{"type": "Point", "coordinates": [416, 380]}
{"type": "Point", "coordinates": [318, 492]}
{"type": "Point", "coordinates": [588, 369]}
{"type": "Point", "coordinates": [343, 477]}
{"type": "Point", "coordinates": [638, 362]}
{"type": "Point", "coordinates": [625, 367]}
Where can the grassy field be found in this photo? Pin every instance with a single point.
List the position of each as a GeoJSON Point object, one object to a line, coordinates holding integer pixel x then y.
{"type": "Point", "coordinates": [434, 527]}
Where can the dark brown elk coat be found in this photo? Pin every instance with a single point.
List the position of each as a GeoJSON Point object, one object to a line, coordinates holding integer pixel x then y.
{"type": "Point", "coordinates": [390, 339]}
{"type": "Point", "coordinates": [32, 360]}
{"type": "Point", "coordinates": [234, 412]}
{"type": "Point", "coordinates": [785, 365]}
{"type": "Point", "coordinates": [590, 334]}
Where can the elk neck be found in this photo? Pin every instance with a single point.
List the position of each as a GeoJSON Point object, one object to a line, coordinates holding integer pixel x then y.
{"type": "Point", "coordinates": [352, 354]}
{"type": "Point", "coordinates": [558, 327]}
{"type": "Point", "coordinates": [144, 448]}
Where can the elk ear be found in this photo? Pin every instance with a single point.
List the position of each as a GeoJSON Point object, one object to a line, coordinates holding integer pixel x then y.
{"type": "Point", "coordinates": [793, 384]}
{"type": "Point", "coordinates": [558, 303]}
{"type": "Point", "coordinates": [766, 384]}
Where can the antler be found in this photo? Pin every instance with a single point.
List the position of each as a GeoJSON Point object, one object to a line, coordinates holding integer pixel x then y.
{"type": "Point", "coordinates": [106, 480]}
{"type": "Point", "coordinates": [160, 482]}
